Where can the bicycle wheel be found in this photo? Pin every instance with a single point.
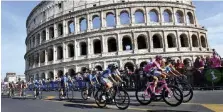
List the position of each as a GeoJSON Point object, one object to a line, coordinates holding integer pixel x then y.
{"type": "Point", "coordinates": [122, 99]}
{"type": "Point", "coordinates": [84, 94]}
{"type": "Point", "coordinates": [187, 91]}
{"type": "Point", "coordinates": [142, 96]}
{"type": "Point", "coordinates": [172, 96]}
{"type": "Point", "coordinates": [60, 94]}
{"type": "Point", "coordinates": [99, 98]}
{"type": "Point", "coordinates": [40, 94]}
{"type": "Point", "coordinates": [69, 94]}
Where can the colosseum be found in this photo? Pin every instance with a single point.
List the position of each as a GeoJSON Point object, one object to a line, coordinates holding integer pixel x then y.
{"type": "Point", "coordinates": [70, 36]}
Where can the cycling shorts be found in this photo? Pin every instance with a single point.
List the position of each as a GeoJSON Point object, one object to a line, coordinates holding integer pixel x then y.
{"type": "Point", "coordinates": [157, 73]}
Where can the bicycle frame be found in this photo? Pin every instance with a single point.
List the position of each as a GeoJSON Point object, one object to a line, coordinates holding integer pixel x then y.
{"type": "Point", "coordinates": [158, 90]}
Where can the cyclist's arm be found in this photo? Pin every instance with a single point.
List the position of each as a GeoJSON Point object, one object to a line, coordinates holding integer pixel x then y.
{"type": "Point", "coordinates": [112, 78]}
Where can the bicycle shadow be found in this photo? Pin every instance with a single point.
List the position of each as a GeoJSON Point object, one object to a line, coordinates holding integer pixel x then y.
{"type": "Point", "coordinates": [80, 106]}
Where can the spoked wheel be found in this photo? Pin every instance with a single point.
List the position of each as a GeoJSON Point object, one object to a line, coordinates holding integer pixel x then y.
{"type": "Point", "coordinates": [40, 94]}
{"type": "Point", "coordinates": [60, 94]}
{"type": "Point", "coordinates": [122, 99]}
{"type": "Point", "coordinates": [187, 91]}
{"type": "Point", "coordinates": [99, 99]}
{"type": "Point", "coordinates": [142, 96]}
{"type": "Point", "coordinates": [84, 94]}
{"type": "Point", "coordinates": [172, 96]}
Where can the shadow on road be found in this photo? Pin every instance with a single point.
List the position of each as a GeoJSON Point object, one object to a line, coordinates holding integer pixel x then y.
{"type": "Point", "coordinates": [168, 111]}
{"type": "Point", "coordinates": [80, 106]}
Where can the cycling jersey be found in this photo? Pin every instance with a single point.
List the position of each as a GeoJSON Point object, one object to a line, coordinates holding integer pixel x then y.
{"type": "Point", "coordinates": [36, 83]}
{"type": "Point", "coordinates": [92, 77]}
{"type": "Point", "coordinates": [106, 73]}
{"type": "Point", "coordinates": [63, 81]}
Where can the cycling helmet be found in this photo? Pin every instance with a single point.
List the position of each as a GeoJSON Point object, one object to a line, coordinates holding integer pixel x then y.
{"type": "Point", "coordinates": [111, 66]}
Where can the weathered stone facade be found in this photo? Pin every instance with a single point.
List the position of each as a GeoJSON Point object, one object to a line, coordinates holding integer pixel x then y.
{"type": "Point", "coordinates": [53, 49]}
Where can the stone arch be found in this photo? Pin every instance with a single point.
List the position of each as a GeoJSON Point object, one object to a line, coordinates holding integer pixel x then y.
{"type": "Point", "coordinates": [157, 41]}
{"type": "Point", "coordinates": [51, 33]}
{"type": "Point", "coordinates": [141, 40]}
{"type": "Point", "coordinates": [37, 77]}
{"type": "Point", "coordinates": [167, 16]}
{"type": "Point", "coordinates": [60, 29]}
{"type": "Point", "coordinates": [59, 52]}
{"type": "Point", "coordinates": [33, 41]}
{"type": "Point", "coordinates": [99, 68]}
{"type": "Point", "coordinates": [83, 69]}
{"type": "Point", "coordinates": [60, 73]}
{"type": "Point", "coordinates": [97, 46]}
{"type": "Point", "coordinates": [70, 50]}
{"type": "Point", "coordinates": [130, 66]}
{"type": "Point", "coordinates": [179, 16]}
{"type": "Point", "coordinates": [110, 19]}
{"type": "Point", "coordinates": [171, 40]}
{"type": "Point", "coordinates": [126, 43]}
{"type": "Point", "coordinates": [190, 18]}
{"type": "Point", "coordinates": [194, 41]}
{"type": "Point", "coordinates": [50, 54]}
{"type": "Point", "coordinates": [43, 76]}
{"type": "Point", "coordinates": [43, 35]}
{"type": "Point", "coordinates": [96, 22]}
{"type": "Point", "coordinates": [112, 45]}
{"type": "Point", "coordinates": [184, 40]}
{"type": "Point", "coordinates": [83, 24]}
{"type": "Point", "coordinates": [37, 58]}
{"type": "Point", "coordinates": [50, 75]}
{"type": "Point", "coordinates": [71, 72]}
{"type": "Point", "coordinates": [71, 26]}
{"type": "Point", "coordinates": [42, 57]}
{"type": "Point", "coordinates": [143, 64]}
{"type": "Point", "coordinates": [38, 39]}
{"type": "Point", "coordinates": [83, 48]}
{"type": "Point", "coordinates": [153, 15]}
{"type": "Point", "coordinates": [203, 42]}
{"type": "Point", "coordinates": [139, 16]}
{"type": "Point", "coordinates": [124, 17]}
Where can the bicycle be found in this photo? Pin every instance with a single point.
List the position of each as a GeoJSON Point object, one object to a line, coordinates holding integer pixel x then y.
{"type": "Point", "coordinates": [11, 93]}
{"type": "Point", "coordinates": [93, 89]}
{"type": "Point", "coordinates": [38, 93]}
{"type": "Point", "coordinates": [102, 98]}
{"type": "Point", "coordinates": [65, 93]}
{"type": "Point", "coordinates": [165, 91]}
{"type": "Point", "coordinates": [184, 86]}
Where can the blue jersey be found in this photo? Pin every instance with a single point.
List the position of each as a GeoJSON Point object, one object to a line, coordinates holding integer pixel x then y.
{"type": "Point", "coordinates": [36, 83]}
{"type": "Point", "coordinates": [92, 77]}
{"type": "Point", "coordinates": [64, 80]}
{"type": "Point", "coordinates": [106, 73]}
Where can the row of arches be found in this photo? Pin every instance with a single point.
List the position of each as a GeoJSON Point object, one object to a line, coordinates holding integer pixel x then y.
{"type": "Point", "coordinates": [112, 46]}
{"type": "Point", "coordinates": [167, 16]}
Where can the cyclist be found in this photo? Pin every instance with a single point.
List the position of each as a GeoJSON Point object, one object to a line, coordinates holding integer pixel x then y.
{"type": "Point", "coordinates": [170, 69]}
{"type": "Point", "coordinates": [155, 70]}
{"type": "Point", "coordinates": [92, 81]}
{"type": "Point", "coordinates": [23, 87]}
{"type": "Point", "coordinates": [106, 77]}
{"type": "Point", "coordinates": [36, 86]}
{"type": "Point", "coordinates": [11, 88]}
{"type": "Point", "coordinates": [63, 84]}
{"type": "Point", "coordinates": [19, 87]}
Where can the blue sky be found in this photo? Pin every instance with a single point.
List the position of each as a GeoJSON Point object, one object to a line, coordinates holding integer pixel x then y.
{"type": "Point", "coordinates": [14, 15]}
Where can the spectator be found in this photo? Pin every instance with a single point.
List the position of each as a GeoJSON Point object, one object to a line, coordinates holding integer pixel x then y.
{"type": "Point", "coordinates": [215, 61]}
{"type": "Point", "coordinates": [179, 66]}
{"type": "Point", "coordinates": [207, 62]}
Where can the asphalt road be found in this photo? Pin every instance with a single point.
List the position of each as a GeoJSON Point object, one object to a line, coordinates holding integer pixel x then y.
{"type": "Point", "coordinates": [203, 101]}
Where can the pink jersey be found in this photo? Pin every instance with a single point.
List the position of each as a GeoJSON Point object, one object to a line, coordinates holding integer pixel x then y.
{"type": "Point", "coordinates": [215, 62]}
{"type": "Point", "coordinates": [149, 66]}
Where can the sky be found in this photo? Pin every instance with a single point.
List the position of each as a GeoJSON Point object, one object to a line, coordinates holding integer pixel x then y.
{"type": "Point", "coordinates": [13, 21]}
